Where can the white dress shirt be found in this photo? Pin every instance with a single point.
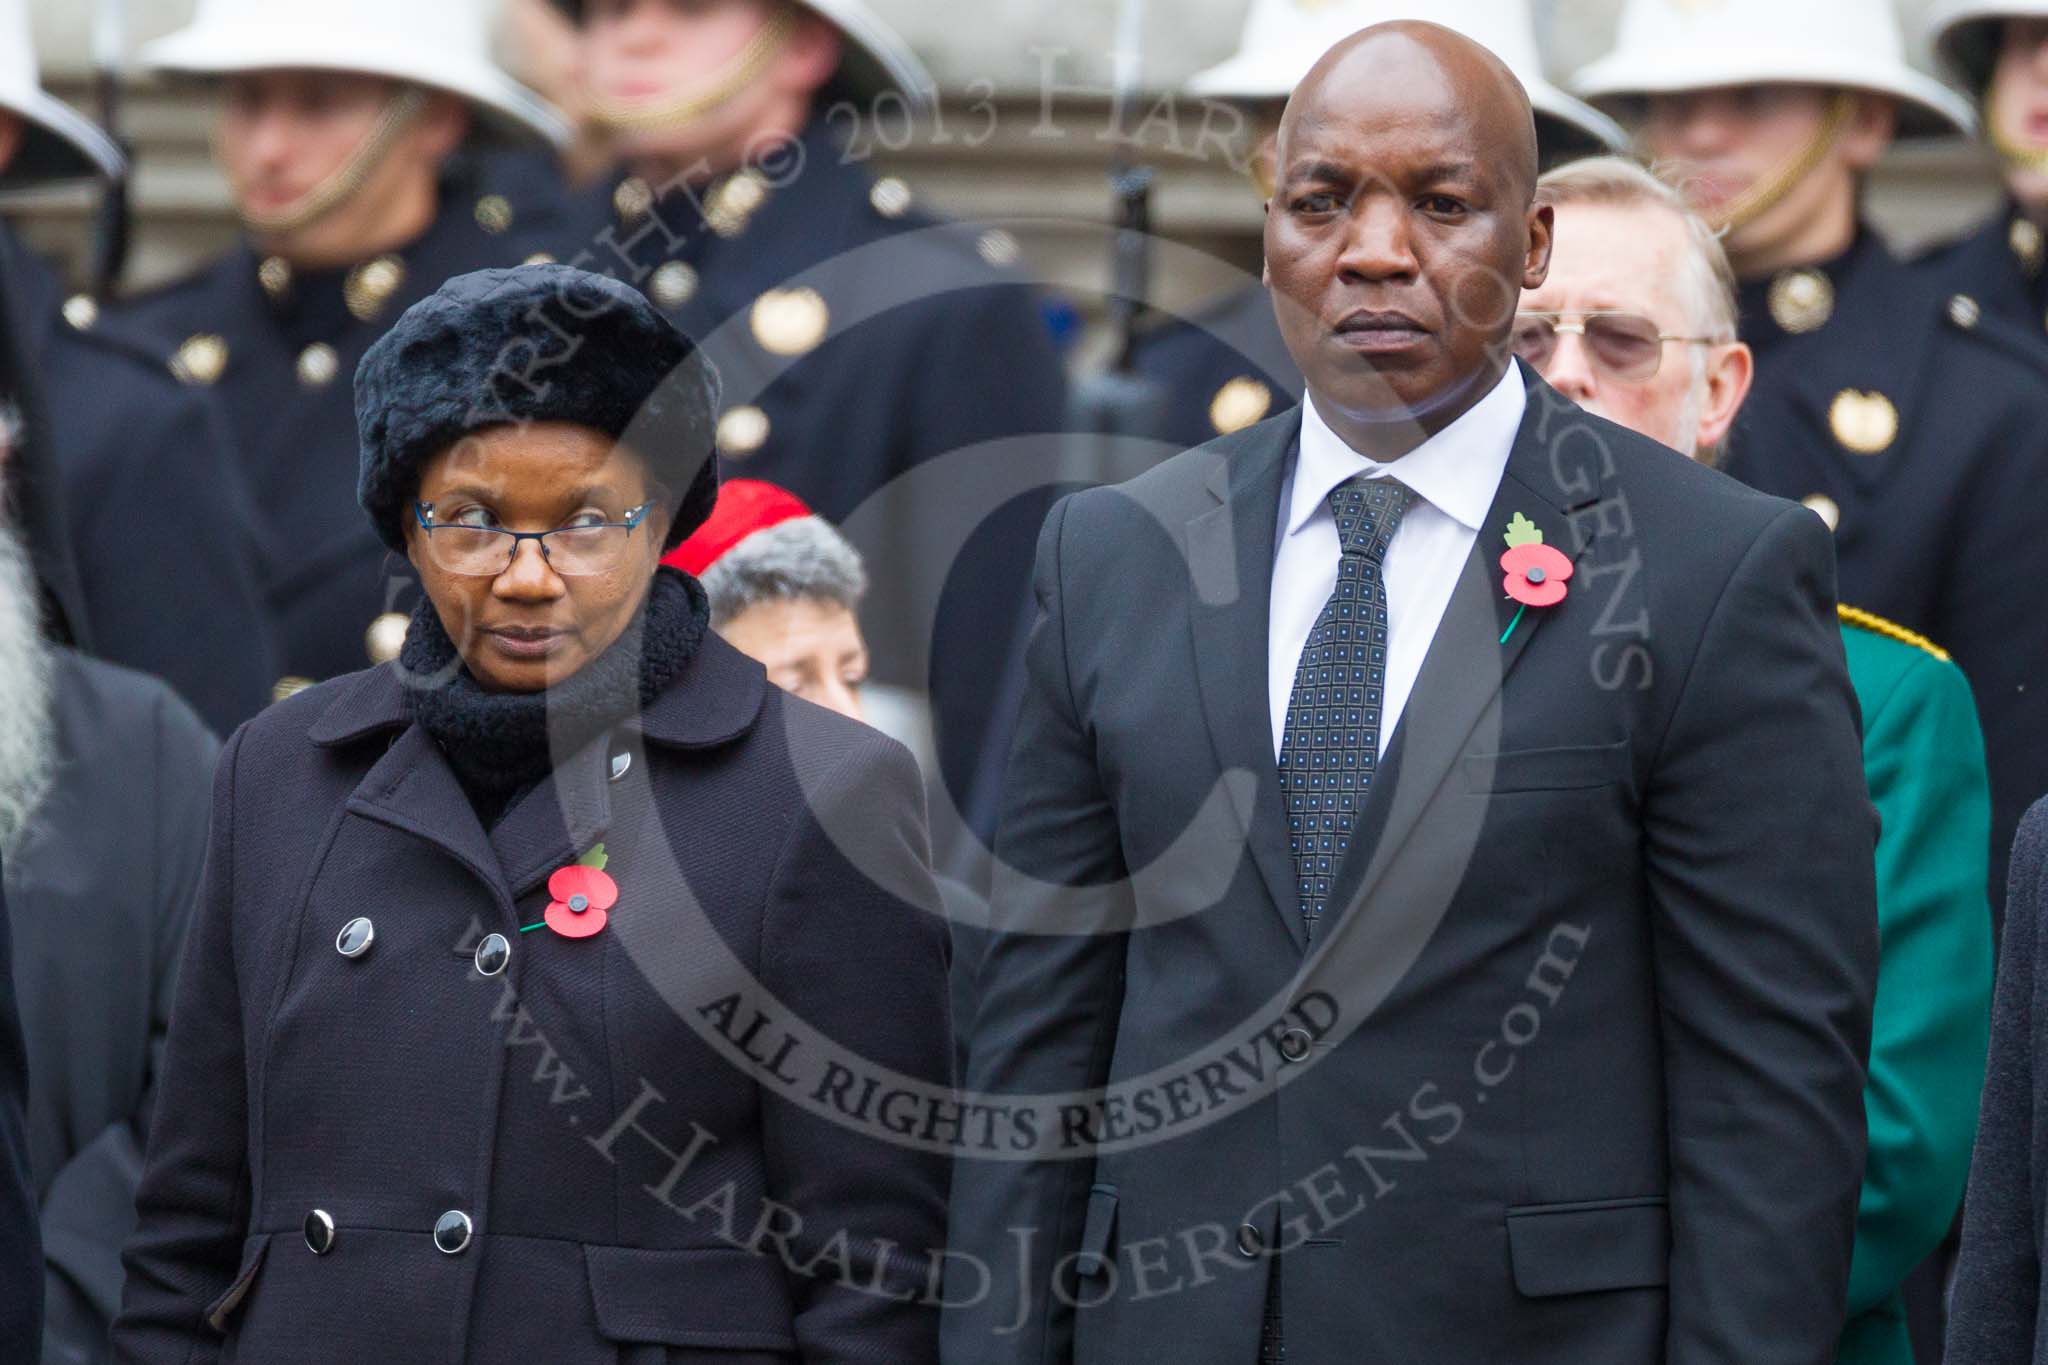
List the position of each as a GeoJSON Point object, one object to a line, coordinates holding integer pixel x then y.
{"type": "Point", "coordinates": [1454, 475]}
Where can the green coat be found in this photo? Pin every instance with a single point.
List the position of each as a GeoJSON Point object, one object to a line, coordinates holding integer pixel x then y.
{"type": "Point", "coordinates": [1923, 755]}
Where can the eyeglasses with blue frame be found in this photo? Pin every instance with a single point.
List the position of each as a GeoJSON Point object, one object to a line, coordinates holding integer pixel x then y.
{"type": "Point", "coordinates": [487, 551]}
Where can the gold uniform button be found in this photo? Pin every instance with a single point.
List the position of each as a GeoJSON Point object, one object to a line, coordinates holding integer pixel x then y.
{"type": "Point", "coordinates": [790, 321]}
{"type": "Point", "coordinates": [672, 285]}
{"type": "Point", "coordinates": [890, 197]}
{"type": "Point", "coordinates": [633, 198]}
{"type": "Point", "coordinates": [369, 286]}
{"type": "Point", "coordinates": [1238, 404]}
{"type": "Point", "coordinates": [2026, 243]}
{"type": "Point", "coordinates": [274, 273]}
{"type": "Point", "coordinates": [494, 213]}
{"type": "Point", "coordinates": [81, 311]}
{"type": "Point", "coordinates": [288, 686]}
{"type": "Point", "coordinates": [998, 248]}
{"type": "Point", "coordinates": [202, 359]}
{"type": "Point", "coordinates": [1964, 311]}
{"type": "Point", "coordinates": [735, 201]}
{"type": "Point", "coordinates": [318, 364]}
{"type": "Point", "coordinates": [1865, 423]}
{"type": "Point", "coordinates": [741, 432]}
{"type": "Point", "coordinates": [386, 636]}
{"type": "Point", "coordinates": [1802, 300]}
{"type": "Point", "coordinates": [1824, 507]}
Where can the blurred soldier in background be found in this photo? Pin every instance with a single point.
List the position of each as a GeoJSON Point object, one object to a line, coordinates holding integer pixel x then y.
{"type": "Point", "coordinates": [337, 136]}
{"type": "Point", "coordinates": [1224, 368]}
{"type": "Point", "coordinates": [1635, 277]}
{"type": "Point", "coordinates": [104, 792]}
{"type": "Point", "coordinates": [859, 337]}
{"type": "Point", "coordinates": [1910, 421]}
{"type": "Point", "coordinates": [145, 463]}
{"type": "Point", "coordinates": [1998, 50]}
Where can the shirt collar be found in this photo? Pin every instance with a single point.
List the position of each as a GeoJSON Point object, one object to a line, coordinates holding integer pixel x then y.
{"type": "Point", "coordinates": [1457, 471]}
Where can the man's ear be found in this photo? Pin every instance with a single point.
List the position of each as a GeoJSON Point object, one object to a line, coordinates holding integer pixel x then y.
{"type": "Point", "coordinates": [445, 126]}
{"type": "Point", "coordinates": [1870, 130]}
{"type": "Point", "coordinates": [1731, 369]}
{"type": "Point", "coordinates": [1542, 234]}
{"type": "Point", "coordinates": [811, 57]}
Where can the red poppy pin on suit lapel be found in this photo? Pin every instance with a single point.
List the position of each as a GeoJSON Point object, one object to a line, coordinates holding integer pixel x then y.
{"type": "Point", "coordinates": [1533, 574]}
{"type": "Point", "coordinates": [581, 896]}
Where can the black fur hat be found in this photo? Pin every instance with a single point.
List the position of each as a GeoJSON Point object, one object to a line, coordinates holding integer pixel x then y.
{"type": "Point", "coordinates": [539, 343]}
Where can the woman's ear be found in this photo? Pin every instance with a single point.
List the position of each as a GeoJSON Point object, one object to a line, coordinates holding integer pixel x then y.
{"type": "Point", "coordinates": [659, 518]}
{"type": "Point", "coordinates": [413, 547]}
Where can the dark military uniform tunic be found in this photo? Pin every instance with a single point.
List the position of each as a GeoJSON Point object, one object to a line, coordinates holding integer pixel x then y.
{"type": "Point", "coordinates": [155, 513]}
{"type": "Point", "coordinates": [1916, 424]}
{"type": "Point", "coordinates": [1999, 264]}
{"type": "Point", "coordinates": [859, 339]}
{"type": "Point", "coordinates": [280, 347]}
{"type": "Point", "coordinates": [1221, 369]}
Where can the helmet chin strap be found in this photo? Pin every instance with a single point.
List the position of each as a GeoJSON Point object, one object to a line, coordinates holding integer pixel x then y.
{"type": "Point", "coordinates": [688, 106]}
{"type": "Point", "coordinates": [2014, 154]}
{"type": "Point", "coordinates": [1770, 191]}
{"type": "Point", "coordinates": [399, 114]}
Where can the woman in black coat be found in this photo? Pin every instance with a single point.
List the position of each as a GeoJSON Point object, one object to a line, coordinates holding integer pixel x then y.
{"type": "Point", "coordinates": [545, 978]}
{"type": "Point", "coordinates": [1995, 1315]}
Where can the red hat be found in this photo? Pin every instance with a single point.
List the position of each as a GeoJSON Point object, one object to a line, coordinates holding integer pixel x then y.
{"type": "Point", "coordinates": [744, 506]}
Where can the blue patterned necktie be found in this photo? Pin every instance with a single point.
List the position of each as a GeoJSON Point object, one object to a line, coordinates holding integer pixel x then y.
{"type": "Point", "coordinates": [1331, 745]}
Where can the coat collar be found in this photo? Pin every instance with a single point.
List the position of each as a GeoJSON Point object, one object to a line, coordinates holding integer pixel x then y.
{"type": "Point", "coordinates": [715, 700]}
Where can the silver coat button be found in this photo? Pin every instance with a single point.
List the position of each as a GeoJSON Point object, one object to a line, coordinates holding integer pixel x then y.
{"type": "Point", "coordinates": [1295, 1044]}
{"type": "Point", "coordinates": [620, 763]}
{"type": "Point", "coordinates": [355, 937]}
{"type": "Point", "coordinates": [492, 954]}
{"type": "Point", "coordinates": [1249, 1241]}
{"type": "Point", "coordinates": [451, 1231]}
{"type": "Point", "coordinates": [319, 1232]}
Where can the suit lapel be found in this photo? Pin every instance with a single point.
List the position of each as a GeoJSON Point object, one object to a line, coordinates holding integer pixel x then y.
{"type": "Point", "coordinates": [1470, 657]}
{"type": "Point", "coordinates": [1230, 561]}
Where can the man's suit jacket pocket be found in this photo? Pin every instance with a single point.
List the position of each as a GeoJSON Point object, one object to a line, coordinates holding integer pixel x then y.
{"type": "Point", "coordinates": [1535, 770]}
{"type": "Point", "coordinates": [1584, 1247]}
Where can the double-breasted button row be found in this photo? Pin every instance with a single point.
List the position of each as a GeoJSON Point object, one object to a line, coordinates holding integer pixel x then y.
{"type": "Point", "coordinates": [493, 951]}
{"type": "Point", "coordinates": [451, 1232]}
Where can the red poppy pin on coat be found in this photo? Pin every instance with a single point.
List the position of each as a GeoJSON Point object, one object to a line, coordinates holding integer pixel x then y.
{"type": "Point", "coordinates": [1534, 574]}
{"type": "Point", "coordinates": [581, 895]}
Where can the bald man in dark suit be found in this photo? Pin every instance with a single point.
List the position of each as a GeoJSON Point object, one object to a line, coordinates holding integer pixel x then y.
{"type": "Point", "coordinates": [1438, 920]}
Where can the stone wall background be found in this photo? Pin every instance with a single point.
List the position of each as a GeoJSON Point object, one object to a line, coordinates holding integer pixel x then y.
{"type": "Point", "coordinates": [1023, 137]}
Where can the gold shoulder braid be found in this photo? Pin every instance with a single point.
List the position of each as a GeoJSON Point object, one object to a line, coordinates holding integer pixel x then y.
{"type": "Point", "coordinates": [1891, 630]}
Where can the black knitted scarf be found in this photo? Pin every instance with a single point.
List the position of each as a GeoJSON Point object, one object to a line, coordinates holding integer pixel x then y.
{"type": "Point", "coordinates": [502, 744]}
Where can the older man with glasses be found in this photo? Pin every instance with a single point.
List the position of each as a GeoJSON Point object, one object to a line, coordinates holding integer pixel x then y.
{"type": "Point", "coordinates": [1910, 416]}
{"type": "Point", "coordinates": [1637, 323]}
